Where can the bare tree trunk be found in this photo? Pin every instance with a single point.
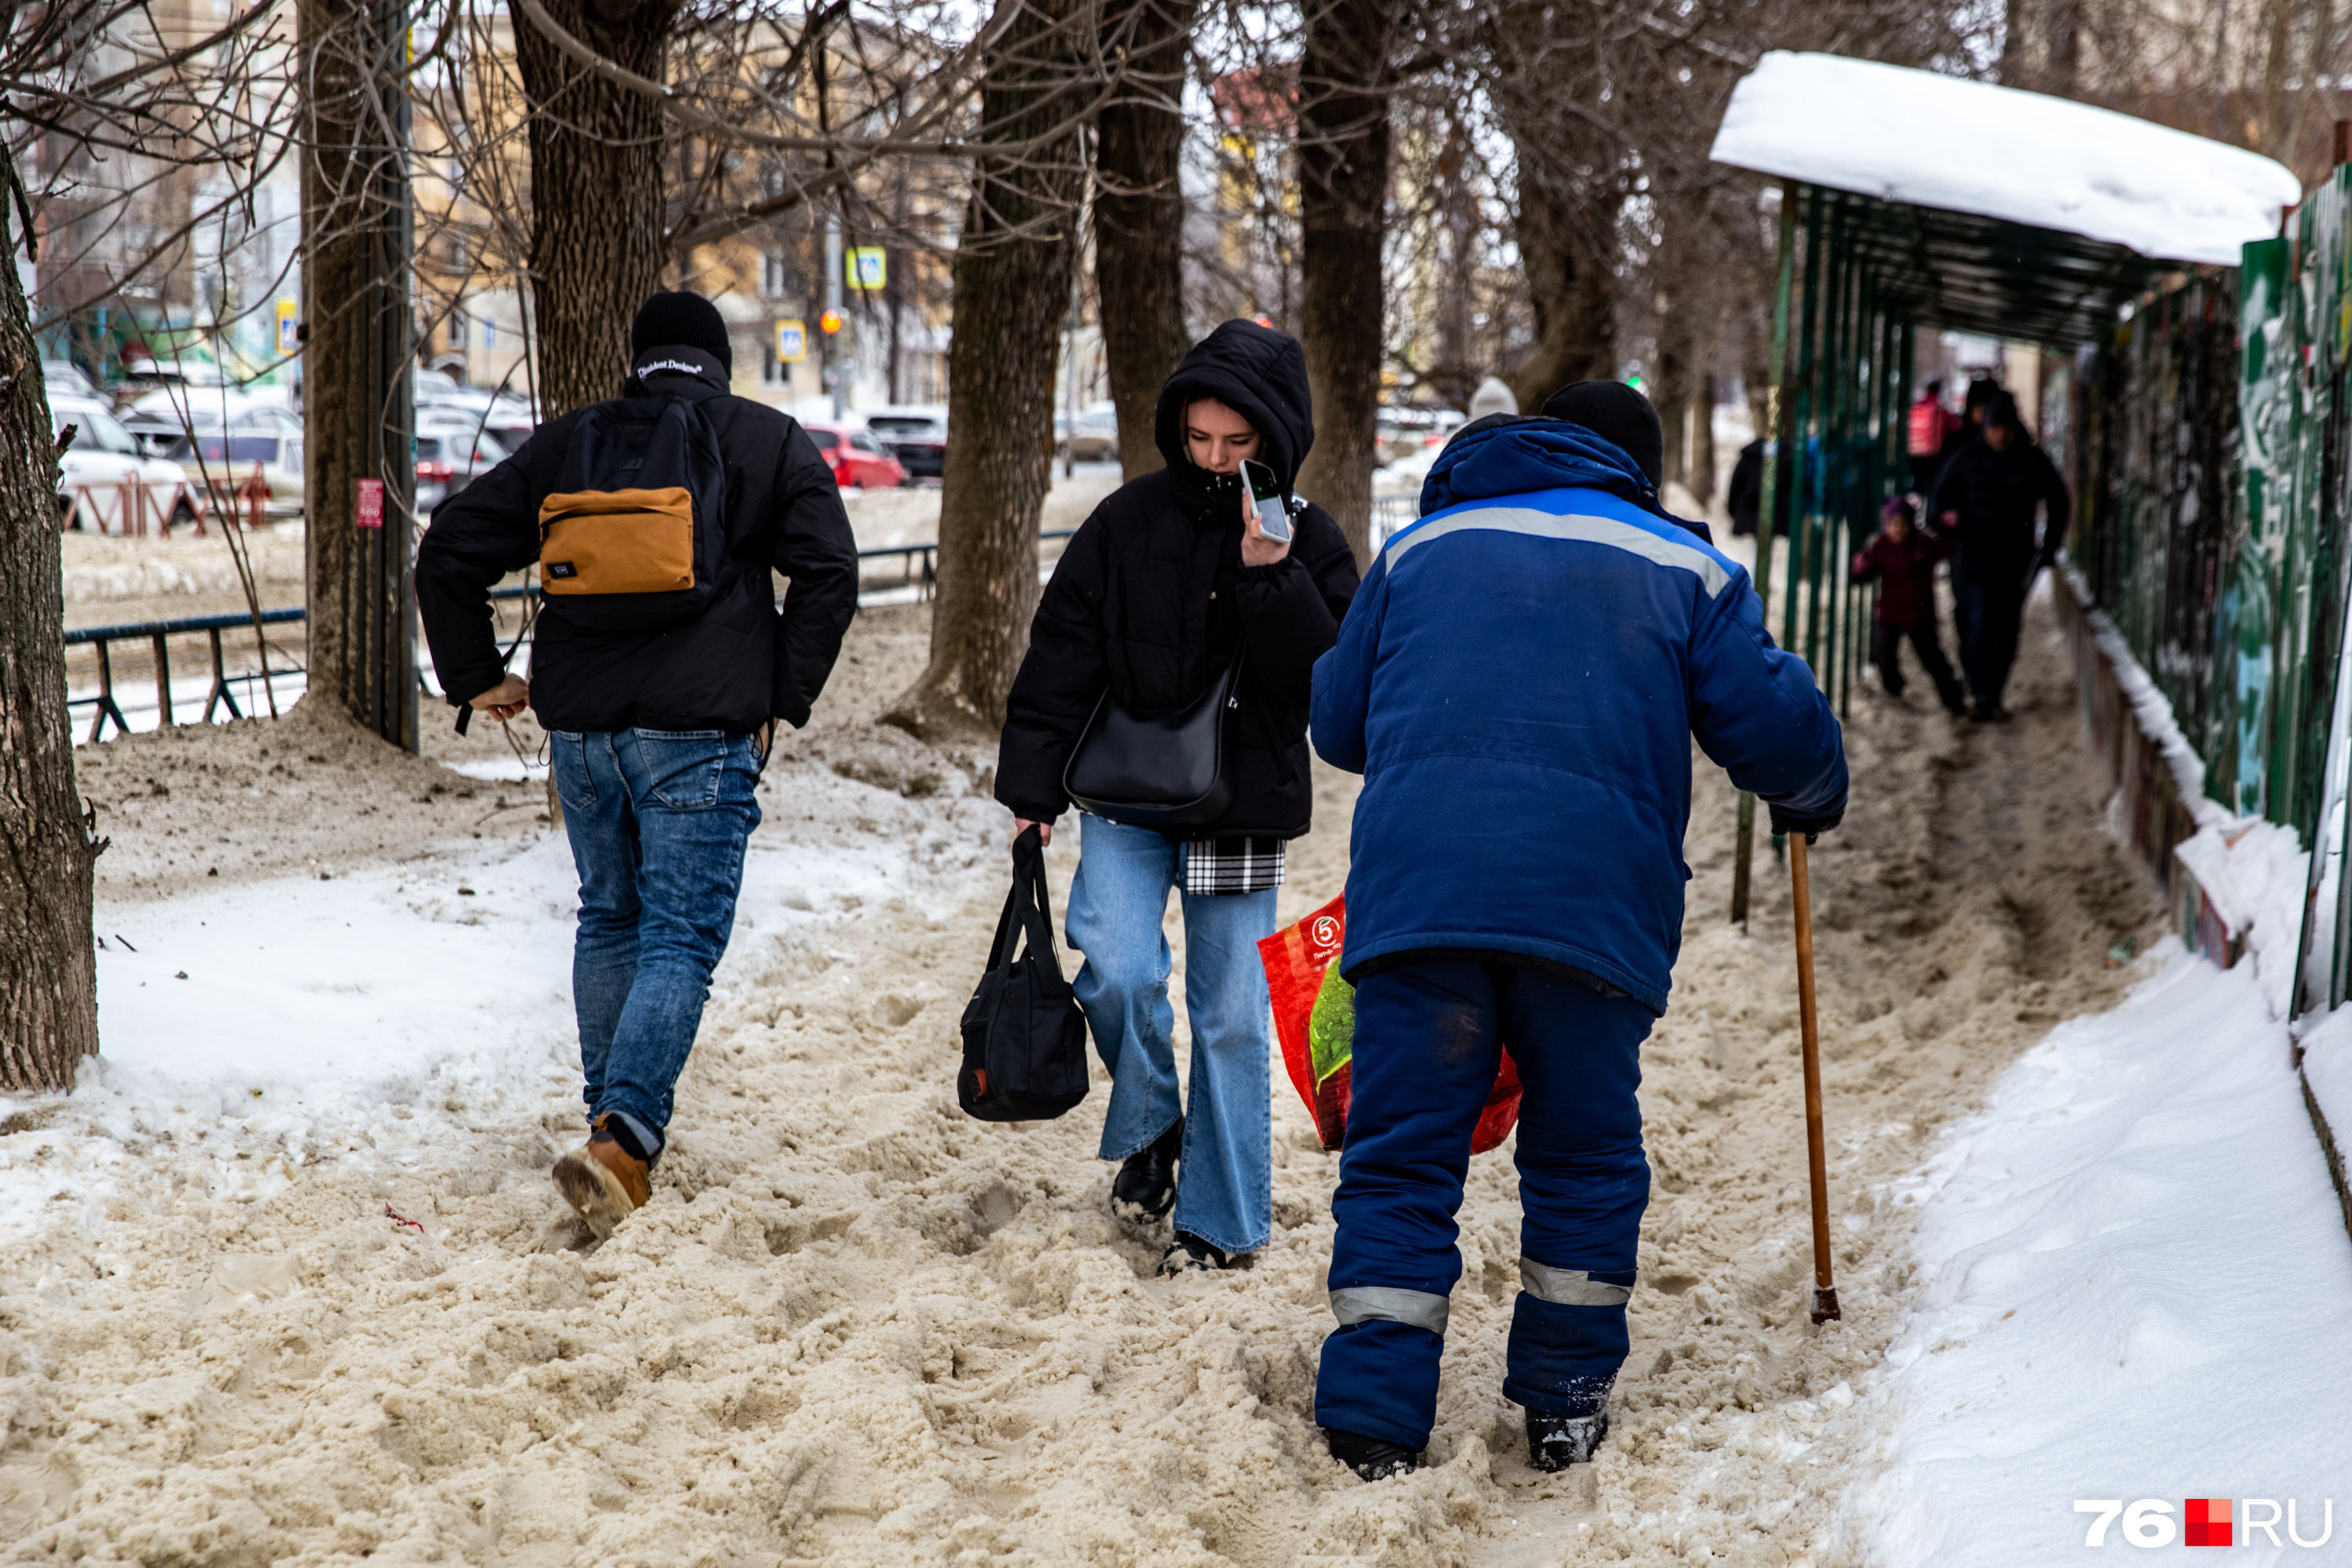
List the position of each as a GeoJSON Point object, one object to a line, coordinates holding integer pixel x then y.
{"type": "Point", "coordinates": [1140, 220]}
{"type": "Point", "coordinates": [357, 411]}
{"type": "Point", "coordinates": [1701, 477]}
{"type": "Point", "coordinates": [1572, 293]}
{"type": "Point", "coordinates": [1343, 171]}
{"type": "Point", "coordinates": [1011, 286]}
{"type": "Point", "coordinates": [596, 243]}
{"type": "Point", "coordinates": [48, 976]}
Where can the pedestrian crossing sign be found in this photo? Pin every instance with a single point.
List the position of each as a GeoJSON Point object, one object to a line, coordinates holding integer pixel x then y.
{"type": "Point", "coordinates": [290, 328]}
{"type": "Point", "coordinates": [792, 343]}
{"type": "Point", "coordinates": [868, 267]}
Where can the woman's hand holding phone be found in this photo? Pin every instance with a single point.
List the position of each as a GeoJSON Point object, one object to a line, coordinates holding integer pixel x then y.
{"type": "Point", "coordinates": [1258, 547]}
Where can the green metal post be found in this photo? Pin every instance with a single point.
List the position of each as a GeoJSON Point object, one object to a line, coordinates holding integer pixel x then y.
{"type": "Point", "coordinates": [1743, 856]}
{"type": "Point", "coordinates": [1801, 429]}
{"type": "Point", "coordinates": [1828, 417]}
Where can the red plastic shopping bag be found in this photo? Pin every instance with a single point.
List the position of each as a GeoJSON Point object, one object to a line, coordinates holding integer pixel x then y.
{"type": "Point", "coordinates": [1315, 1019]}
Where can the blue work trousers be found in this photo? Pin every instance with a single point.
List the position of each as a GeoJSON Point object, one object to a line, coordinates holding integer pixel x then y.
{"type": "Point", "coordinates": [657, 820]}
{"type": "Point", "coordinates": [1427, 1046]}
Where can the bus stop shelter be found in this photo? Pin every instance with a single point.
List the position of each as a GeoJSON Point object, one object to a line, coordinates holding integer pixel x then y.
{"type": "Point", "coordinates": [1910, 200]}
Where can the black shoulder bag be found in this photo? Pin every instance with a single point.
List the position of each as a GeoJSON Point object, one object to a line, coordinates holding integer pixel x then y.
{"type": "Point", "coordinates": [1158, 770]}
{"type": "Point", "coordinates": [1024, 1039]}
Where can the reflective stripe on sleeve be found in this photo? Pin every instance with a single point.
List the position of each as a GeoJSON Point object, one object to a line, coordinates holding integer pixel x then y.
{"type": "Point", "coordinates": [1418, 1308]}
{"type": "Point", "coordinates": [1570, 1287]}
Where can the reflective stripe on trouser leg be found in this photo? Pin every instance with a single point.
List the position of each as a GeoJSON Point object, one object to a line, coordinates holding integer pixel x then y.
{"type": "Point", "coordinates": [1363, 1303]}
{"type": "Point", "coordinates": [1570, 1287]}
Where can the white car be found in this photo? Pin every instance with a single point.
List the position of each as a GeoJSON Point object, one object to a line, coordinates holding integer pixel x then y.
{"type": "Point", "coordinates": [107, 485]}
{"type": "Point", "coordinates": [228, 462]}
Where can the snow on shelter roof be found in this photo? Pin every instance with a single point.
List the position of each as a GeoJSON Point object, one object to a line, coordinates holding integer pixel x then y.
{"type": "Point", "coordinates": [1941, 142]}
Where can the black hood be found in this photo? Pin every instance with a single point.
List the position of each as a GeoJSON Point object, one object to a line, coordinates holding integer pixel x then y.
{"type": "Point", "coordinates": [1259, 373]}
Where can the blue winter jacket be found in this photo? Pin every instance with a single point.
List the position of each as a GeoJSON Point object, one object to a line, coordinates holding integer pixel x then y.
{"type": "Point", "coordinates": [1519, 680]}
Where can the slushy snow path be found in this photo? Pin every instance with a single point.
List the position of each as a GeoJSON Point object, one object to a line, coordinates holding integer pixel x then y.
{"type": "Point", "coordinates": [2134, 1278]}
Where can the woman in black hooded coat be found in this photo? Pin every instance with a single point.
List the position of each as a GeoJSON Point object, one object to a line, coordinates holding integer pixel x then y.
{"type": "Point", "coordinates": [1158, 594]}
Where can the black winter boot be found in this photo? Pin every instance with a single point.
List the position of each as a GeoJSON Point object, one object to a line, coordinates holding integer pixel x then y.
{"type": "Point", "coordinates": [1188, 1254]}
{"type": "Point", "coordinates": [1374, 1458]}
{"type": "Point", "coordinates": [1556, 1442]}
{"type": "Point", "coordinates": [1145, 1188]}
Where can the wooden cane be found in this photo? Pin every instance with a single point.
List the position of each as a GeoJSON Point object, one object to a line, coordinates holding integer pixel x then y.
{"type": "Point", "coordinates": [1825, 1301]}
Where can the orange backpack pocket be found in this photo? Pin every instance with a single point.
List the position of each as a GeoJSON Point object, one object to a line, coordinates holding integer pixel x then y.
{"type": "Point", "coordinates": [616, 541]}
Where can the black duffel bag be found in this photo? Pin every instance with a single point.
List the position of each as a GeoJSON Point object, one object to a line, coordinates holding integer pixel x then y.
{"type": "Point", "coordinates": [1024, 1039]}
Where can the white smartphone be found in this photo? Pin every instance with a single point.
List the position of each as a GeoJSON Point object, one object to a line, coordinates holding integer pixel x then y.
{"type": "Point", "coordinates": [1267, 501]}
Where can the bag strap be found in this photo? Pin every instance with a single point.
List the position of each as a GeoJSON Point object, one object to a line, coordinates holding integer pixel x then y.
{"type": "Point", "coordinates": [1027, 906]}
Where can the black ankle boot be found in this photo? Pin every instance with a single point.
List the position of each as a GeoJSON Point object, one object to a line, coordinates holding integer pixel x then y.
{"type": "Point", "coordinates": [1374, 1458]}
{"type": "Point", "coordinates": [1145, 1188]}
{"type": "Point", "coordinates": [1556, 1442]}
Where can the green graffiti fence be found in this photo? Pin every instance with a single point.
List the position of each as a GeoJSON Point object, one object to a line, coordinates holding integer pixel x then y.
{"type": "Point", "coordinates": [2216, 496]}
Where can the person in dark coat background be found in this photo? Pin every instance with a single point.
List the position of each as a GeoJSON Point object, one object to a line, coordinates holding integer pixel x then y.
{"type": "Point", "coordinates": [1157, 594]}
{"type": "Point", "coordinates": [1744, 496]}
{"type": "Point", "coordinates": [1986, 500]}
{"type": "Point", "coordinates": [1902, 561]}
{"type": "Point", "coordinates": [1519, 682]}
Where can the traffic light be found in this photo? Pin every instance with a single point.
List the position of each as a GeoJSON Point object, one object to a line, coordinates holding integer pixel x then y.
{"type": "Point", "coordinates": [831, 322]}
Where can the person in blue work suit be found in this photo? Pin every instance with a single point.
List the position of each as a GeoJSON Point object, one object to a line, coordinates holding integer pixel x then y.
{"type": "Point", "coordinates": [1519, 680]}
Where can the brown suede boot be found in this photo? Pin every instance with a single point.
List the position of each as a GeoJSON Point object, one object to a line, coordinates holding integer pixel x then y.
{"type": "Point", "coordinates": [603, 1181]}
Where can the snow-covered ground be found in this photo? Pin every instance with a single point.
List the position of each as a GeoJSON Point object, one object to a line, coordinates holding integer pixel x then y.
{"type": "Point", "coordinates": [2134, 1273]}
{"type": "Point", "coordinates": [854, 1327]}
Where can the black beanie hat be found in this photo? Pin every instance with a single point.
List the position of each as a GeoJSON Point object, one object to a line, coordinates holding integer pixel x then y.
{"type": "Point", "coordinates": [684, 318]}
{"type": "Point", "coordinates": [1618, 413]}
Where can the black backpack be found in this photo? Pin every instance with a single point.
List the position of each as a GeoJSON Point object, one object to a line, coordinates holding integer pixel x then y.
{"type": "Point", "coordinates": [1024, 1039]}
{"type": "Point", "coordinates": [634, 538]}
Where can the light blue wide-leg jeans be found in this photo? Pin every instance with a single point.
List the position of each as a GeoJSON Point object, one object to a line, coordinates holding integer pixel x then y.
{"type": "Point", "coordinates": [1225, 1191]}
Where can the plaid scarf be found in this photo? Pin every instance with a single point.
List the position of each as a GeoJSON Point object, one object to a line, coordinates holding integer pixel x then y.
{"type": "Point", "coordinates": [1233, 865]}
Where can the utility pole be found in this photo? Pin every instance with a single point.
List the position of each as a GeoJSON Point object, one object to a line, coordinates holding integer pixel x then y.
{"type": "Point", "coordinates": [359, 399]}
{"type": "Point", "coordinates": [836, 373]}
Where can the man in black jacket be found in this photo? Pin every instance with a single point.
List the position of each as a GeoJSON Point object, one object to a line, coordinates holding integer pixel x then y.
{"type": "Point", "coordinates": [1985, 499]}
{"type": "Point", "coordinates": [658, 736]}
{"type": "Point", "coordinates": [1157, 595]}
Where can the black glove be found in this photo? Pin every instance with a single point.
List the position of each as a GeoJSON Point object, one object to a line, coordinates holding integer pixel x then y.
{"type": "Point", "coordinates": [1785, 823]}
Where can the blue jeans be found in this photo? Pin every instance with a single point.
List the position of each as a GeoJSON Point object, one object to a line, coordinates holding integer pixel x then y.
{"type": "Point", "coordinates": [1225, 1189]}
{"type": "Point", "coordinates": [1427, 1051]}
{"type": "Point", "coordinates": [657, 820]}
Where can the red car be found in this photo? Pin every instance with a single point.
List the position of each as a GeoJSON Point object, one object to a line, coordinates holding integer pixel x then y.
{"type": "Point", "coordinates": [856, 457]}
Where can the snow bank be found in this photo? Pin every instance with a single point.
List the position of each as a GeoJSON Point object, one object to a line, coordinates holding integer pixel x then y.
{"type": "Point", "coordinates": [1968, 146]}
{"type": "Point", "coordinates": [288, 1020]}
{"type": "Point", "coordinates": [2118, 1301]}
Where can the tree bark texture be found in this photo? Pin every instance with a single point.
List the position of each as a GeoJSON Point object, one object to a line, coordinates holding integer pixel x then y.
{"type": "Point", "coordinates": [1344, 76]}
{"type": "Point", "coordinates": [596, 241]}
{"type": "Point", "coordinates": [1139, 218]}
{"type": "Point", "coordinates": [48, 976]}
{"type": "Point", "coordinates": [1571, 289]}
{"type": "Point", "coordinates": [1011, 289]}
{"type": "Point", "coordinates": [359, 410]}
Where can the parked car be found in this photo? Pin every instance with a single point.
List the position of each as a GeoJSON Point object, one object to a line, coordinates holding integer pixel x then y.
{"type": "Point", "coordinates": [1402, 432]}
{"type": "Point", "coordinates": [503, 414]}
{"type": "Point", "coordinates": [65, 379]}
{"type": "Point", "coordinates": [1091, 437]}
{"type": "Point", "coordinates": [230, 460]}
{"type": "Point", "coordinates": [93, 492]}
{"type": "Point", "coordinates": [448, 458]}
{"type": "Point", "coordinates": [916, 437]}
{"type": "Point", "coordinates": [159, 420]}
{"type": "Point", "coordinates": [856, 457]}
